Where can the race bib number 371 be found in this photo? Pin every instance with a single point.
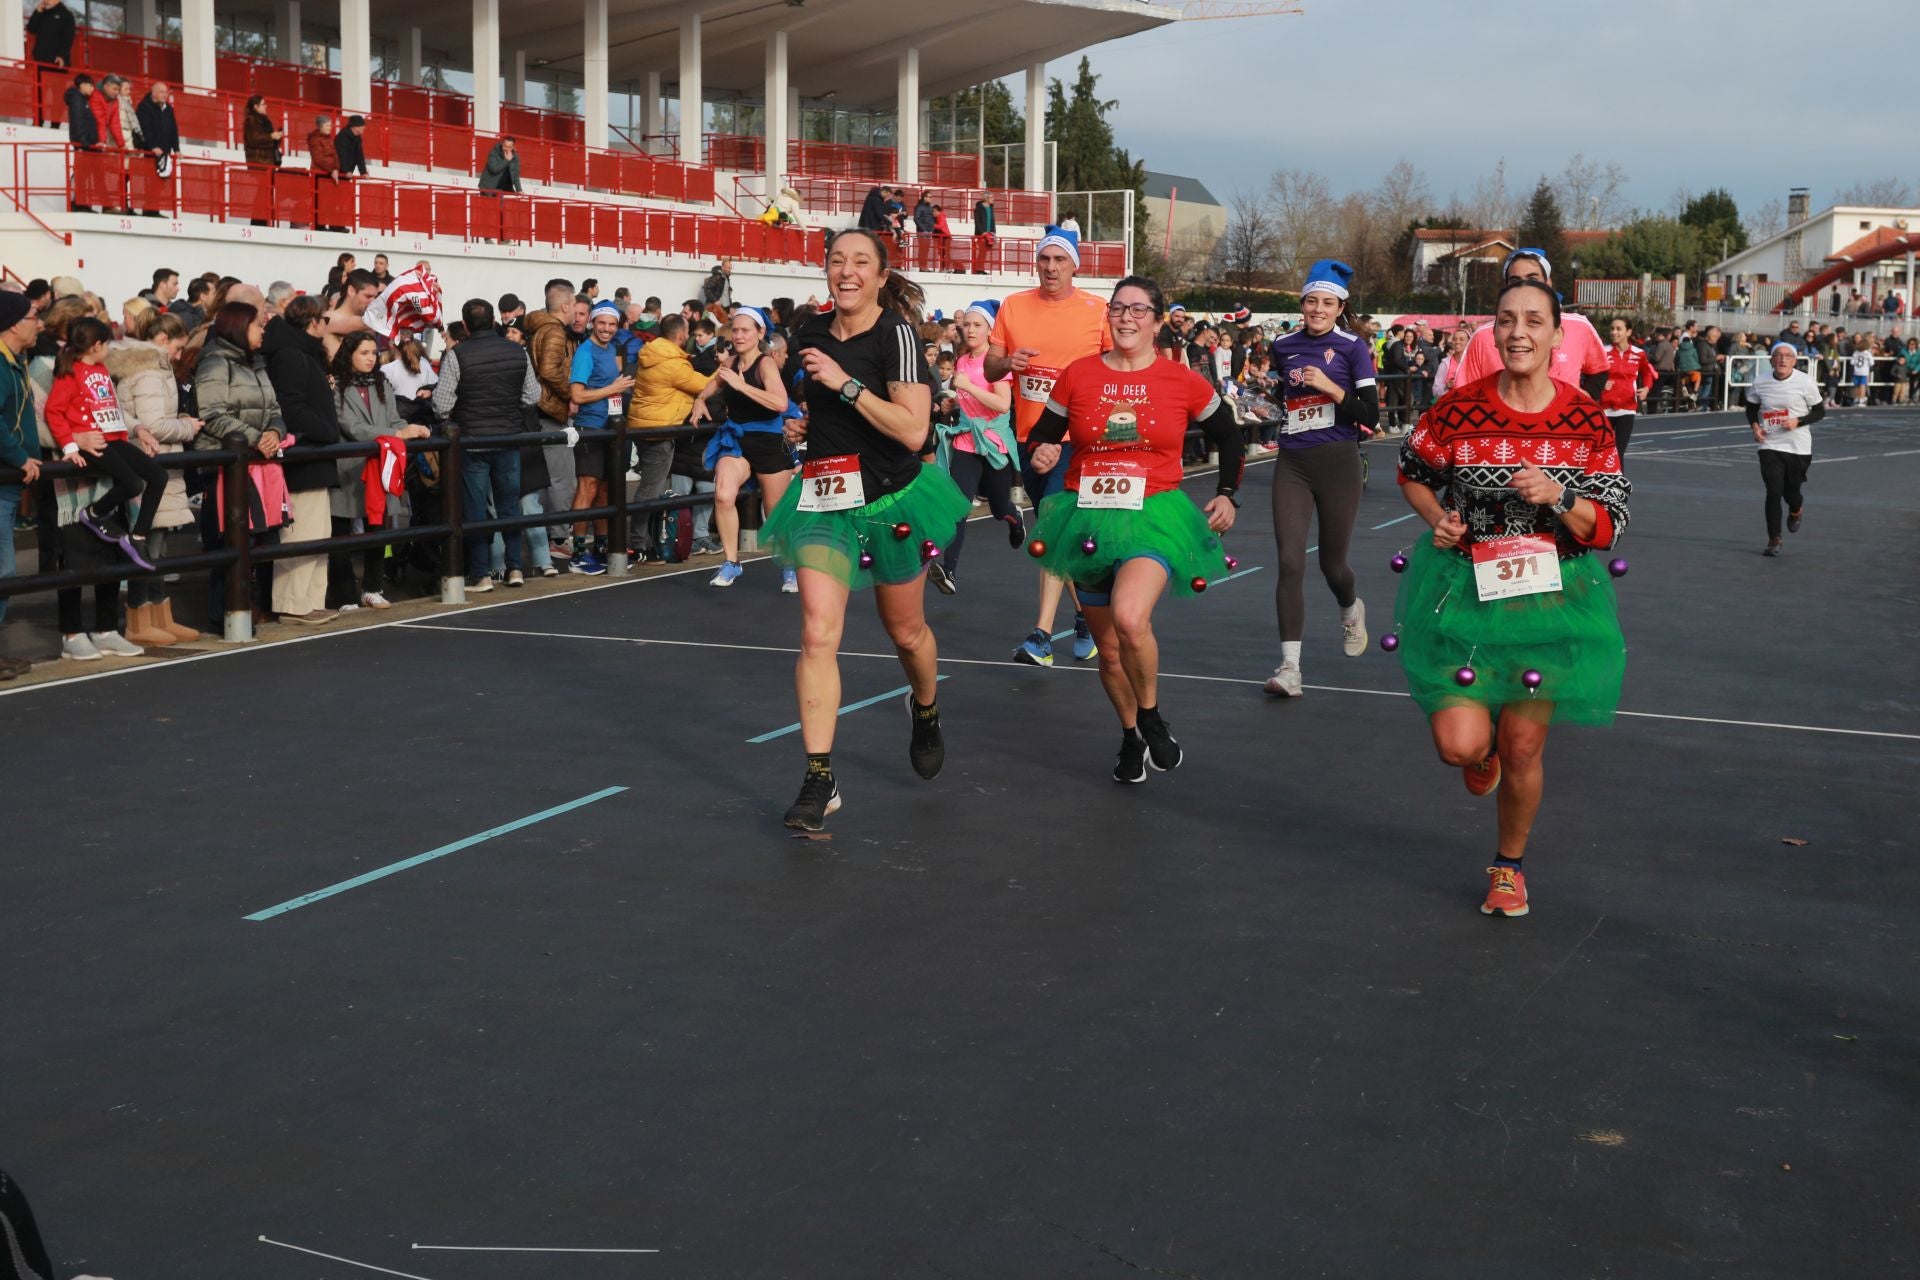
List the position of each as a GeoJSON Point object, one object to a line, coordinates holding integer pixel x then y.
{"type": "Point", "coordinates": [832, 484]}
{"type": "Point", "coordinates": [1507, 567]}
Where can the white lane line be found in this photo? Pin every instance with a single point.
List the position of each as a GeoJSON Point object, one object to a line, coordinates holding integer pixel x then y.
{"type": "Point", "coordinates": [331, 1257]}
{"type": "Point", "coordinates": [1900, 453]}
{"type": "Point", "coordinates": [508, 1248]}
{"type": "Point", "coordinates": [1164, 675]}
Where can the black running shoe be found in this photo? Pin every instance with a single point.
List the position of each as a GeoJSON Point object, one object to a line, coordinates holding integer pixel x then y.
{"type": "Point", "coordinates": [1132, 766]}
{"type": "Point", "coordinates": [941, 578]}
{"type": "Point", "coordinates": [1163, 753]}
{"type": "Point", "coordinates": [104, 527]}
{"type": "Point", "coordinates": [1016, 531]}
{"type": "Point", "coordinates": [819, 796]}
{"type": "Point", "coordinates": [1793, 522]}
{"type": "Point", "coordinates": [928, 750]}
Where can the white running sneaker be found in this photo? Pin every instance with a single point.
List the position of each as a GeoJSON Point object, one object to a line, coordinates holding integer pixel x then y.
{"type": "Point", "coordinates": [374, 600]}
{"type": "Point", "coordinates": [1285, 681]}
{"type": "Point", "coordinates": [78, 648]}
{"type": "Point", "coordinates": [114, 643]}
{"type": "Point", "coordinates": [789, 582]}
{"type": "Point", "coordinates": [1354, 634]}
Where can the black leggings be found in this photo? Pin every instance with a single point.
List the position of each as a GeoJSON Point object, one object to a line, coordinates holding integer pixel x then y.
{"type": "Point", "coordinates": [1784, 473]}
{"type": "Point", "coordinates": [1323, 479]}
{"type": "Point", "coordinates": [134, 475]}
{"type": "Point", "coordinates": [20, 1243]}
{"type": "Point", "coordinates": [373, 565]}
{"type": "Point", "coordinates": [1622, 425]}
{"type": "Point", "coordinates": [995, 484]}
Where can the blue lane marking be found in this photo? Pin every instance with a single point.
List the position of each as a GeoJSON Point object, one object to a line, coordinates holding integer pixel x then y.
{"type": "Point", "coordinates": [851, 706]}
{"type": "Point", "coordinates": [1062, 635]}
{"type": "Point", "coordinates": [1397, 520]}
{"type": "Point", "coordinates": [1243, 573]}
{"type": "Point", "coordinates": [305, 899]}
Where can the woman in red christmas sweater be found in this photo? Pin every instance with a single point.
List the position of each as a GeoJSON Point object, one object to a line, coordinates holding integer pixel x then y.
{"type": "Point", "coordinates": [1505, 623]}
{"type": "Point", "coordinates": [84, 416]}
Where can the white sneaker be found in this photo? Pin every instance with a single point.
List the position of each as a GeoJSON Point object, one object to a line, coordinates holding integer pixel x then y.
{"type": "Point", "coordinates": [374, 600]}
{"type": "Point", "coordinates": [116, 644]}
{"type": "Point", "coordinates": [1284, 682]}
{"type": "Point", "coordinates": [79, 648]}
{"type": "Point", "coordinates": [1354, 634]}
{"type": "Point", "coordinates": [789, 582]}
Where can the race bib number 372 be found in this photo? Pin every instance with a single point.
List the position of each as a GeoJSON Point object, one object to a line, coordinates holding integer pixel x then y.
{"type": "Point", "coordinates": [1521, 566]}
{"type": "Point", "coordinates": [832, 484]}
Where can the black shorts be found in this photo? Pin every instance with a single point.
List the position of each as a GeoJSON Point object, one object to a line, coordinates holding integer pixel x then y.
{"type": "Point", "coordinates": [766, 452]}
{"type": "Point", "coordinates": [590, 460]}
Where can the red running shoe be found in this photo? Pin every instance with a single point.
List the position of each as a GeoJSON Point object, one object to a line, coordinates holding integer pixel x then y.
{"type": "Point", "coordinates": [1506, 892]}
{"type": "Point", "coordinates": [1482, 778]}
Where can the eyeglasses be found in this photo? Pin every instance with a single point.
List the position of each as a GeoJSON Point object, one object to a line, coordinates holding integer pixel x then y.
{"type": "Point", "coordinates": [1138, 310]}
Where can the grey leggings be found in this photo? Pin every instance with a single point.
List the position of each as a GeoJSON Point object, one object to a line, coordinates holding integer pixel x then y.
{"type": "Point", "coordinates": [1324, 478]}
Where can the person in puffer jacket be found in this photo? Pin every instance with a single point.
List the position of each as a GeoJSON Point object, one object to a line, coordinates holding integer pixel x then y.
{"type": "Point", "coordinates": [142, 370]}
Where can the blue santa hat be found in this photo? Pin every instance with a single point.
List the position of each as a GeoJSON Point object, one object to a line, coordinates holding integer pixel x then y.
{"type": "Point", "coordinates": [1066, 241]}
{"type": "Point", "coordinates": [606, 306]}
{"type": "Point", "coordinates": [1329, 275]}
{"type": "Point", "coordinates": [986, 307]}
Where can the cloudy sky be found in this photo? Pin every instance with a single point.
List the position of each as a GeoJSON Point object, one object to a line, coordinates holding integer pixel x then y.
{"type": "Point", "coordinates": [1695, 93]}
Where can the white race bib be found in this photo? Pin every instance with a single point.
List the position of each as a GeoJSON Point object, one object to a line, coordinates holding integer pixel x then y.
{"type": "Point", "coordinates": [1519, 566]}
{"type": "Point", "coordinates": [1114, 486]}
{"type": "Point", "coordinates": [1308, 413]}
{"type": "Point", "coordinates": [107, 421]}
{"type": "Point", "coordinates": [832, 484]}
{"type": "Point", "coordinates": [1036, 383]}
{"type": "Point", "coordinates": [1777, 419]}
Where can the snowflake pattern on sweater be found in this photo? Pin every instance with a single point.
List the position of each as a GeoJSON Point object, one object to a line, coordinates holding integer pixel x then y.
{"type": "Point", "coordinates": [1468, 446]}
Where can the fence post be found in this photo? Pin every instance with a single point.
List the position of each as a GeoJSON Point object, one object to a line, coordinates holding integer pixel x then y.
{"type": "Point", "coordinates": [237, 625]}
{"type": "Point", "coordinates": [453, 578]}
{"type": "Point", "coordinates": [617, 489]}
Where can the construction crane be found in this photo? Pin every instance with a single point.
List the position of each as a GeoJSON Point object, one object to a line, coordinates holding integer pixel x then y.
{"type": "Point", "coordinates": [1214, 10]}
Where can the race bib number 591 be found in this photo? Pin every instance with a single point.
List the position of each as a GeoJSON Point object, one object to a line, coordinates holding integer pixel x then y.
{"type": "Point", "coordinates": [1520, 566]}
{"type": "Point", "coordinates": [1308, 413]}
{"type": "Point", "coordinates": [832, 484]}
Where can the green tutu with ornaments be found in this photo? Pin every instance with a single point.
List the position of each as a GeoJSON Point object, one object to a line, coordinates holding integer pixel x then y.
{"type": "Point", "coordinates": [1571, 637]}
{"type": "Point", "coordinates": [1167, 527]}
{"type": "Point", "coordinates": [864, 546]}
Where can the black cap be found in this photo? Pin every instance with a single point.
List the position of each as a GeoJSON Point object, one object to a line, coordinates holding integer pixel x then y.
{"type": "Point", "coordinates": [13, 309]}
{"type": "Point", "coordinates": [356, 122]}
{"type": "Point", "coordinates": [510, 302]}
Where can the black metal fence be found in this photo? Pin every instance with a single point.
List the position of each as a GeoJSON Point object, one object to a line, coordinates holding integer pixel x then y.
{"type": "Point", "coordinates": [241, 555]}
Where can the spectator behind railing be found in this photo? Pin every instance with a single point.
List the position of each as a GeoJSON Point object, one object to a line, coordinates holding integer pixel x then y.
{"type": "Point", "coordinates": [297, 364]}
{"type": "Point", "coordinates": [502, 170]}
{"type": "Point", "coordinates": [142, 368]}
{"type": "Point", "coordinates": [52, 26]}
{"type": "Point", "coordinates": [352, 152]}
{"type": "Point", "coordinates": [236, 397]}
{"type": "Point", "coordinates": [159, 131]}
{"type": "Point", "coordinates": [19, 432]}
{"type": "Point", "coordinates": [485, 385]}
{"type": "Point", "coordinates": [367, 409]}
{"type": "Point", "coordinates": [663, 392]}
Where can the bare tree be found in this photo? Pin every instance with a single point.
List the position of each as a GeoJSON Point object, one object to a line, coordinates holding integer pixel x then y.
{"type": "Point", "coordinates": [1767, 221]}
{"type": "Point", "coordinates": [1491, 207]}
{"type": "Point", "coordinates": [1401, 197]}
{"type": "Point", "coordinates": [1246, 250]}
{"type": "Point", "coordinates": [1302, 211]}
{"type": "Point", "coordinates": [1590, 192]}
{"type": "Point", "coordinates": [1887, 193]}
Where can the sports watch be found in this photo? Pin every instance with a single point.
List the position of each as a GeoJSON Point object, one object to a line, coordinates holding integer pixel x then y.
{"type": "Point", "coordinates": [850, 390]}
{"type": "Point", "coordinates": [1564, 503]}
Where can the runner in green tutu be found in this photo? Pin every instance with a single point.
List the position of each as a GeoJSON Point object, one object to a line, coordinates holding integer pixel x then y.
{"type": "Point", "coordinates": [1122, 530]}
{"type": "Point", "coordinates": [1505, 623]}
{"type": "Point", "coordinates": [866, 512]}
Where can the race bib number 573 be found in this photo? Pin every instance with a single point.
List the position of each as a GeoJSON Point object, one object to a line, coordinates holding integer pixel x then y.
{"type": "Point", "coordinates": [1036, 383]}
{"type": "Point", "coordinates": [1520, 566]}
{"type": "Point", "coordinates": [832, 484]}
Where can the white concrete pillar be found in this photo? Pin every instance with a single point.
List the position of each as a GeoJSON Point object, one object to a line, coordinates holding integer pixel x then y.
{"type": "Point", "coordinates": [197, 44]}
{"type": "Point", "coordinates": [486, 66]}
{"type": "Point", "coordinates": [692, 115]}
{"type": "Point", "coordinates": [593, 74]}
{"type": "Point", "coordinates": [356, 57]}
{"type": "Point", "coordinates": [13, 40]}
{"type": "Point", "coordinates": [286, 31]}
{"type": "Point", "coordinates": [412, 55]}
{"type": "Point", "coordinates": [517, 78]}
{"type": "Point", "coordinates": [651, 120]}
{"type": "Point", "coordinates": [146, 19]}
{"type": "Point", "coordinates": [906, 113]}
{"type": "Point", "coordinates": [1035, 166]}
{"type": "Point", "coordinates": [793, 112]}
{"type": "Point", "coordinates": [774, 119]}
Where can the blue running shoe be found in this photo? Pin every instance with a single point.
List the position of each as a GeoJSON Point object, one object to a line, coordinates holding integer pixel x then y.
{"type": "Point", "coordinates": [789, 582]}
{"type": "Point", "coordinates": [1084, 649]}
{"type": "Point", "coordinates": [1036, 650]}
{"type": "Point", "coordinates": [588, 563]}
{"type": "Point", "coordinates": [728, 574]}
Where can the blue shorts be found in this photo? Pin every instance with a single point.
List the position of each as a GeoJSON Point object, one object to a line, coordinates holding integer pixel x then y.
{"type": "Point", "coordinates": [1038, 485]}
{"type": "Point", "coordinates": [1098, 594]}
{"type": "Point", "coordinates": [1859, 380]}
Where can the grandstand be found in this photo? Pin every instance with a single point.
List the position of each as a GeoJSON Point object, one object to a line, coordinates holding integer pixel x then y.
{"type": "Point", "coordinates": [666, 198]}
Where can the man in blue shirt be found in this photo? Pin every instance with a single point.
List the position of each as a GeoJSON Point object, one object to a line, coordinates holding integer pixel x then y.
{"type": "Point", "coordinates": [598, 389]}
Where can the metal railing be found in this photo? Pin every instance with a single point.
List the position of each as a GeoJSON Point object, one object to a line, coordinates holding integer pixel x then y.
{"type": "Point", "coordinates": [241, 555]}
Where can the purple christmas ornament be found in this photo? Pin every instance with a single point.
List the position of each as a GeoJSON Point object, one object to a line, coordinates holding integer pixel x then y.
{"type": "Point", "coordinates": [1532, 679]}
{"type": "Point", "coordinates": [866, 559]}
{"type": "Point", "coordinates": [1398, 564]}
{"type": "Point", "coordinates": [928, 550]}
{"type": "Point", "coordinates": [1617, 567]}
{"type": "Point", "coordinates": [1465, 677]}
{"type": "Point", "coordinates": [1390, 642]}
{"type": "Point", "coordinates": [1090, 545]}
{"type": "Point", "coordinates": [1232, 563]}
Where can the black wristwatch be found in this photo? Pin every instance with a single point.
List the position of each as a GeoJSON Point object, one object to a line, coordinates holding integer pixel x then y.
{"type": "Point", "coordinates": [1230, 495]}
{"type": "Point", "coordinates": [850, 390]}
{"type": "Point", "coordinates": [1564, 503]}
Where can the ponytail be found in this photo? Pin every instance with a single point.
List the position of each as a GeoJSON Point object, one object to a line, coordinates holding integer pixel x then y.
{"type": "Point", "coordinates": [83, 335]}
{"type": "Point", "coordinates": [903, 297]}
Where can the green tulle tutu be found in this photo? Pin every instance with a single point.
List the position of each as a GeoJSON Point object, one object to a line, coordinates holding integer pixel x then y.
{"type": "Point", "coordinates": [1167, 525]}
{"type": "Point", "coordinates": [832, 542]}
{"type": "Point", "coordinates": [1571, 637]}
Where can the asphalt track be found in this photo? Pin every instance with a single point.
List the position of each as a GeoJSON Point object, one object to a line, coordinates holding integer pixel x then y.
{"type": "Point", "coordinates": [1243, 1020]}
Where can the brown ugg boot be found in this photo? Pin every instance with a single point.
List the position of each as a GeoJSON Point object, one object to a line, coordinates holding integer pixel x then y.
{"type": "Point", "coordinates": [144, 629]}
{"type": "Point", "coordinates": [165, 619]}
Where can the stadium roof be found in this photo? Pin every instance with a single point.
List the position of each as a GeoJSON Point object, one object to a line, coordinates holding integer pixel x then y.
{"type": "Point", "coordinates": [1192, 191]}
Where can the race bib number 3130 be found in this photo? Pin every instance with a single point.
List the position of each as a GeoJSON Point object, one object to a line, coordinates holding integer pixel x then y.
{"type": "Point", "coordinates": [832, 484]}
{"type": "Point", "coordinates": [1520, 566]}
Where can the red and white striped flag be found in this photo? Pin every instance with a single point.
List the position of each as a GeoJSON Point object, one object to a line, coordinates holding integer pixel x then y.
{"type": "Point", "coordinates": [411, 304]}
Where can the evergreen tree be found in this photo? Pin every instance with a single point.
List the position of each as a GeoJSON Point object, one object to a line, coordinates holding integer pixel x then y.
{"type": "Point", "coordinates": [1541, 227]}
{"type": "Point", "coordinates": [1717, 218]}
{"type": "Point", "coordinates": [1086, 157]}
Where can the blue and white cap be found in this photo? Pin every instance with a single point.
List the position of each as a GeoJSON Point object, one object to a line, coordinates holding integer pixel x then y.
{"type": "Point", "coordinates": [1538, 255]}
{"type": "Point", "coordinates": [605, 307]}
{"type": "Point", "coordinates": [1066, 241]}
{"type": "Point", "coordinates": [1329, 275]}
{"type": "Point", "coordinates": [754, 314]}
{"type": "Point", "coordinates": [985, 307]}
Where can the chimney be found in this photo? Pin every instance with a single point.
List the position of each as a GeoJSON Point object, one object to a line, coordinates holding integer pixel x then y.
{"type": "Point", "coordinates": [1796, 206]}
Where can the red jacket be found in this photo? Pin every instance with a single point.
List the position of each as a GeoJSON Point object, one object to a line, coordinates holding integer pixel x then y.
{"type": "Point", "coordinates": [84, 401]}
{"type": "Point", "coordinates": [107, 112]}
{"type": "Point", "coordinates": [1627, 371]}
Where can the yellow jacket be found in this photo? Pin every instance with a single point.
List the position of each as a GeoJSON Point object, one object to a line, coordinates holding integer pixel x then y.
{"type": "Point", "coordinates": [664, 386]}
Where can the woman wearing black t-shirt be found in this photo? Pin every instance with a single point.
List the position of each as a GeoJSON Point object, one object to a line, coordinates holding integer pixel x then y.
{"type": "Point", "coordinates": [866, 511]}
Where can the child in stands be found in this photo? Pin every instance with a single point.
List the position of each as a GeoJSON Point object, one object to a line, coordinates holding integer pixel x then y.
{"type": "Point", "coordinates": [84, 416]}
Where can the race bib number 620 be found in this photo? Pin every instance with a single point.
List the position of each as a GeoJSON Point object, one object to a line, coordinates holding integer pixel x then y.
{"type": "Point", "coordinates": [1114, 487]}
